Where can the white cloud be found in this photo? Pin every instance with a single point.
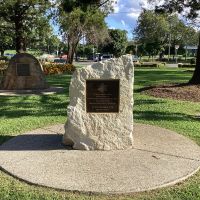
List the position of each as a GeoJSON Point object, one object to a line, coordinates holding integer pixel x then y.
{"type": "Point", "coordinates": [133, 15]}
{"type": "Point", "coordinates": [112, 27]}
{"type": "Point", "coordinates": [123, 22]}
{"type": "Point", "coordinates": [116, 8]}
{"type": "Point", "coordinates": [125, 14]}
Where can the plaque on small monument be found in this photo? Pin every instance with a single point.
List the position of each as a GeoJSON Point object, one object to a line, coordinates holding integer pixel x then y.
{"type": "Point", "coordinates": [24, 72]}
{"type": "Point", "coordinates": [102, 96]}
{"type": "Point", "coordinates": [100, 112]}
{"type": "Point", "coordinates": [22, 69]}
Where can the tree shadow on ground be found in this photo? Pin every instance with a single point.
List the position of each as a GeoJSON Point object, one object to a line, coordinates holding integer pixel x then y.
{"type": "Point", "coordinates": [48, 106]}
{"type": "Point", "coordinates": [148, 101]}
{"type": "Point", "coordinates": [162, 116]}
{"type": "Point", "coordinates": [35, 142]}
{"type": "Point", "coordinates": [38, 105]}
{"type": "Point", "coordinates": [174, 85]}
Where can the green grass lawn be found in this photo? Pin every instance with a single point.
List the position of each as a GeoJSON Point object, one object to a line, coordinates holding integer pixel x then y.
{"type": "Point", "coordinates": [20, 114]}
{"type": "Point", "coordinates": [33, 52]}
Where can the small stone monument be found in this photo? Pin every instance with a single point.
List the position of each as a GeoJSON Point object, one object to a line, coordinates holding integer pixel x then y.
{"type": "Point", "coordinates": [100, 113]}
{"type": "Point", "coordinates": [24, 72]}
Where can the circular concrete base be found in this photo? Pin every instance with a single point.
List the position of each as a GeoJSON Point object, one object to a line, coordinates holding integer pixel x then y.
{"type": "Point", "coordinates": [159, 158]}
{"type": "Point", "coordinates": [50, 90]}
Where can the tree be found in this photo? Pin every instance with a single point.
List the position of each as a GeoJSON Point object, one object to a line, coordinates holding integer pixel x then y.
{"type": "Point", "coordinates": [191, 10]}
{"type": "Point", "coordinates": [80, 19]}
{"type": "Point", "coordinates": [117, 42]}
{"type": "Point", "coordinates": [44, 39]}
{"type": "Point", "coordinates": [22, 15]}
{"type": "Point", "coordinates": [155, 30]}
{"type": "Point", "coordinates": [152, 32]}
{"type": "Point", "coordinates": [131, 49]}
{"type": "Point", "coordinates": [5, 38]}
{"type": "Point", "coordinates": [180, 33]}
{"type": "Point", "coordinates": [37, 37]}
{"type": "Point", "coordinates": [70, 5]}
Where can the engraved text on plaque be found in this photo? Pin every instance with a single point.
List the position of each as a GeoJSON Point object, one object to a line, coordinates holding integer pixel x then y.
{"type": "Point", "coordinates": [23, 69]}
{"type": "Point", "coordinates": [102, 96]}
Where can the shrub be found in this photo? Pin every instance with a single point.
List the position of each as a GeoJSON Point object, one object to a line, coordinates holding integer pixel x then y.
{"type": "Point", "coordinates": [186, 65]}
{"type": "Point", "coordinates": [3, 66]}
{"type": "Point", "coordinates": [56, 68]}
{"type": "Point", "coordinates": [193, 61]}
{"type": "Point", "coordinates": [5, 58]}
{"type": "Point", "coordinates": [150, 64]}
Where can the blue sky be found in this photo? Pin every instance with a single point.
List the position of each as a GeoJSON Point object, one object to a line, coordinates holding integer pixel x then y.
{"type": "Point", "coordinates": [125, 15]}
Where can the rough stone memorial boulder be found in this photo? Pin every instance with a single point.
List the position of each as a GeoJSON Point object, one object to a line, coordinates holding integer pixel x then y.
{"type": "Point", "coordinates": [100, 113]}
{"type": "Point", "coordinates": [24, 72]}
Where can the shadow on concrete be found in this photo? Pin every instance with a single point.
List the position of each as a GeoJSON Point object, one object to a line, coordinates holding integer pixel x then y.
{"type": "Point", "coordinates": [4, 138]}
{"type": "Point", "coordinates": [34, 142]}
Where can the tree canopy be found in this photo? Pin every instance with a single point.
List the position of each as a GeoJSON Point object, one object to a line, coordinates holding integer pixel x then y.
{"type": "Point", "coordinates": [154, 31]}
{"type": "Point", "coordinates": [70, 5]}
{"type": "Point", "coordinates": [81, 21]}
{"type": "Point", "coordinates": [117, 42]}
{"type": "Point", "coordinates": [22, 16]}
{"type": "Point", "coordinates": [5, 37]}
{"type": "Point", "coordinates": [191, 10]}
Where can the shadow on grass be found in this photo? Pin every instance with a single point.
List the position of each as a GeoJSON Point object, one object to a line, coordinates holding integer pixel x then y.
{"type": "Point", "coordinates": [175, 85]}
{"type": "Point", "coordinates": [148, 101]}
{"type": "Point", "coordinates": [164, 116]}
{"type": "Point", "coordinates": [38, 105]}
{"type": "Point", "coordinates": [46, 107]}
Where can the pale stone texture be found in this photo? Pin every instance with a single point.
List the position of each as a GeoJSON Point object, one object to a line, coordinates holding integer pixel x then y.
{"type": "Point", "coordinates": [101, 131]}
{"type": "Point", "coordinates": [36, 80]}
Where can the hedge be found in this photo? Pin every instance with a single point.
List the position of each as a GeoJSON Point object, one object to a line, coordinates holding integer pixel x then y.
{"type": "Point", "coordinates": [56, 68]}
{"type": "Point", "coordinates": [48, 68]}
{"type": "Point", "coordinates": [156, 65]}
{"type": "Point", "coordinates": [3, 66]}
{"type": "Point", "coordinates": [186, 65]}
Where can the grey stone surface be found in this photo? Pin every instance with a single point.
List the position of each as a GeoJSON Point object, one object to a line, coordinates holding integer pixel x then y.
{"type": "Point", "coordinates": [50, 90]}
{"type": "Point", "coordinates": [101, 131]}
{"type": "Point", "coordinates": [159, 158]}
{"type": "Point", "coordinates": [12, 80]}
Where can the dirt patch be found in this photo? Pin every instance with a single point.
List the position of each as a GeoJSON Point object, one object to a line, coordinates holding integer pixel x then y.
{"type": "Point", "coordinates": [183, 92]}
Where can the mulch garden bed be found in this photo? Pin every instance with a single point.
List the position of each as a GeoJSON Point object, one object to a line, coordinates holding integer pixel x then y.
{"type": "Point", "coordinates": [185, 92]}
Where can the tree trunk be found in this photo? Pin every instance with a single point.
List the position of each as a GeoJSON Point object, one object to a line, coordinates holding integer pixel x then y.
{"type": "Point", "coordinates": [2, 52]}
{"type": "Point", "coordinates": [72, 45]}
{"type": "Point", "coordinates": [196, 76]}
{"type": "Point", "coordinates": [70, 55]}
{"type": "Point", "coordinates": [19, 39]}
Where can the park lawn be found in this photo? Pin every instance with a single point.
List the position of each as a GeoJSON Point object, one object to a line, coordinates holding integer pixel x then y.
{"type": "Point", "coordinates": [20, 114]}
{"type": "Point", "coordinates": [33, 52]}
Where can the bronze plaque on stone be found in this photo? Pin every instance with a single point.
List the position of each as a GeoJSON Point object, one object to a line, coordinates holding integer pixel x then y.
{"type": "Point", "coordinates": [23, 69]}
{"type": "Point", "coordinates": [102, 96]}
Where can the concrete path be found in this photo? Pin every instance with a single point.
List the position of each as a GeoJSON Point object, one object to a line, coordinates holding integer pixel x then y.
{"type": "Point", "coordinates": [50, 90]}
{"type": "Point", "coordinates": [159, 158]}
{"type": "Point", "coordinates": [175, 65]}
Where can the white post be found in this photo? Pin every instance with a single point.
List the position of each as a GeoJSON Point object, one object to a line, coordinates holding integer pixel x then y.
{"type": "Point", "coordinates": [176, 50]}
{"type": "Point", "coordinates": [169, 49]}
